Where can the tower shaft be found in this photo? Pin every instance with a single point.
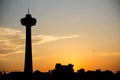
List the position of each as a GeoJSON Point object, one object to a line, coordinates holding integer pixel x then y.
{"type": "Point", "coordinates": [28, 51]}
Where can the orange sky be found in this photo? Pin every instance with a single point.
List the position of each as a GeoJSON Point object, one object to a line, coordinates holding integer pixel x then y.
{"type": "Point", "coordinates": [81, 32]}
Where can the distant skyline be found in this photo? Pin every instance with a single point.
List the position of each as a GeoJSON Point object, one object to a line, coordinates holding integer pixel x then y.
{"type": "Point", "coordinates": [81, 32]}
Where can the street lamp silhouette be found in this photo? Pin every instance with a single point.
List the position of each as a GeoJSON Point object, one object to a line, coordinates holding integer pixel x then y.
{"type": "Point", "coordinates": [28, 21]}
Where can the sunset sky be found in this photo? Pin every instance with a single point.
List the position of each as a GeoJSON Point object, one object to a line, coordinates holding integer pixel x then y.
{"type": "Point", "coordinates": [85, 33]}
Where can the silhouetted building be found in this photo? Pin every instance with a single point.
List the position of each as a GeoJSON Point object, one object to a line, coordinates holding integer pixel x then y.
{"type": "Point", "coordinates": [28, 21]}
{"type": "Point", "coordinates": [63, 72]}
{"type": "Point", "coordinates": [64, 68]}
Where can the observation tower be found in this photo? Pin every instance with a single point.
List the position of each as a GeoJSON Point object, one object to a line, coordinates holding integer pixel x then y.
{"type": "Point", "coordinates": [28, 22]}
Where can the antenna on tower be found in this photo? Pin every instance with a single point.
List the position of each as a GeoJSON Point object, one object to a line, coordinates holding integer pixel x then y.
{"type": "Point", "coordinates": [28, 10]}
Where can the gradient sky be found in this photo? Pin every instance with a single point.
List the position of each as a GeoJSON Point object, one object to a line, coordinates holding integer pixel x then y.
{"type": "Point", "coordinates": [82, 32]}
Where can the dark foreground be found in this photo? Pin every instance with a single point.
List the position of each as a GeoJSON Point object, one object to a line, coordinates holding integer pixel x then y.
{"type": "Point", "coordinates": [62, 72]}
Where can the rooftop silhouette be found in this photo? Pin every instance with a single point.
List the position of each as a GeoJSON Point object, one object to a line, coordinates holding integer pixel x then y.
{"type": "Point", "coordinates": [63, 72]}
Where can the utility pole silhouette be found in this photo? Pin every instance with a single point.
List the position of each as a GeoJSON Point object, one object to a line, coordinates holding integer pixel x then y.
{"type": "Point", "coordinates": [28, 21]}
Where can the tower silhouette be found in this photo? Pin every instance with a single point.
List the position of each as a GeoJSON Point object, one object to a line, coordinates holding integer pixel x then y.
{"type": "Point", "coordinates": [28, 21]}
